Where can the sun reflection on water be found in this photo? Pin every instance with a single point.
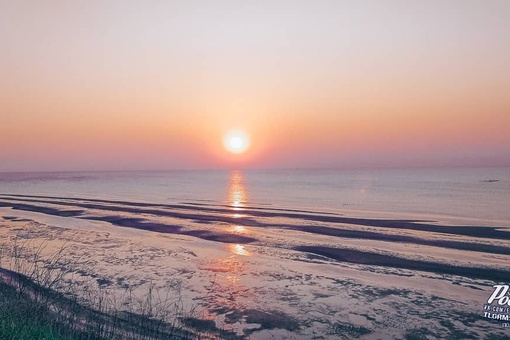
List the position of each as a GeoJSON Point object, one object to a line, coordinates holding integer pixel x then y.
{"type": "Point", "coordinates": [237, 197]}
{"type": "Point", "coordinates": [237, 191]}
{"type": "Point", "coordinates": [230, 268]}
{"type": "Point", "coordinates": [238, 249]}
{"type": "Point", "coordinates": [239, 229]}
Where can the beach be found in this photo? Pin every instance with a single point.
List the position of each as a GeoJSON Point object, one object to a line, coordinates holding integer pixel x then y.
{"type": "Point", "coordinates": [264, 270]}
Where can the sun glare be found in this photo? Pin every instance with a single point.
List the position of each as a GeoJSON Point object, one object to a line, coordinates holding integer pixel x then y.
{"type": "Point", "coordinates": [236, 141]}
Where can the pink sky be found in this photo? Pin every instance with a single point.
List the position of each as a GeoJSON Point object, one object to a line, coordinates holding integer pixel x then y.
{"type": "Point", "coordinates": [98, 85]}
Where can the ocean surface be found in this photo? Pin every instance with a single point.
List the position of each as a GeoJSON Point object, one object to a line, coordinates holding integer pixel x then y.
{"type": "Point", "coordinates": [473, 193]}
{"type": "Point", "coordinates": [381, 253]}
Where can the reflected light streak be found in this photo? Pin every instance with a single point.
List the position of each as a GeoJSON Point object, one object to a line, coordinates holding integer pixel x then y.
{"type": "Point", "coordinates": [229, 288]}
{"type": "Point", "coordinates": [237, 197]}
{"type": "Point", "coordinates": [237, 229]}
{"type": "Point", "coordinates": [237, 190]}
{"type": "Point", "coordinates": [238, 250]}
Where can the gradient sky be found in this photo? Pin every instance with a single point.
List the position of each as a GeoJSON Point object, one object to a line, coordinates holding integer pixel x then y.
{"type": "Point", "coordinates": [119, 85]}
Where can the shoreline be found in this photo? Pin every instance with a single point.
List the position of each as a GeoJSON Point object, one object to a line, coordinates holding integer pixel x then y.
{"type": "Point", "coordinates": [236, 285]}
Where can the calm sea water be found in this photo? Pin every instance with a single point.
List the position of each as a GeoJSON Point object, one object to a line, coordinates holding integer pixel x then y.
{"type": "Point", "coordinates": [481, 193]}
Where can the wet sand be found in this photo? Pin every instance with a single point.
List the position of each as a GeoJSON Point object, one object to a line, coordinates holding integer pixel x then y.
{"type": "Point", "coordinates": [262, 270]}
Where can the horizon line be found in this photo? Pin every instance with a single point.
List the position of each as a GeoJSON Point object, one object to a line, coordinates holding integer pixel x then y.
{"type": "Point", "coordinates": [322, 168]}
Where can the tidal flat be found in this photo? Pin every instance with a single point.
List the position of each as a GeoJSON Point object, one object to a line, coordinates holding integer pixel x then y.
{"type": "Point", "coordinates": [276, 254]}
{"type": "Point", "coordinates": [257, 273]}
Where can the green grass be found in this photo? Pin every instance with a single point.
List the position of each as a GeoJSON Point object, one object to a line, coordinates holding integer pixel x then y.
{"type": "Point", "coordinates": [34, 312]}
{"type": "Point", "coordinates": [22, 318]}
{"type": "Point", "coordinates": [37, 301]}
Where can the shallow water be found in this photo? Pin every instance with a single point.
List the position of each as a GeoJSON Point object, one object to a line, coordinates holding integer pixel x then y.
{"type": "Point", "coordinates": [322, 251]}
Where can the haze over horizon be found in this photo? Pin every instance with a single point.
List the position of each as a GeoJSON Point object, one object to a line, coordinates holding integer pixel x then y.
{"type": "Point", "coordinates": [156, 85]}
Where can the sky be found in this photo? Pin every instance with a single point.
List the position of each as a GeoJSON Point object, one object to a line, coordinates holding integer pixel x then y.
{"type": "Point", "coordinates": [155, 85]}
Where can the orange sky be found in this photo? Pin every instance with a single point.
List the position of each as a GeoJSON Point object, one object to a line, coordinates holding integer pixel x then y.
{"type": "Point", "coordinates": [93, 85]}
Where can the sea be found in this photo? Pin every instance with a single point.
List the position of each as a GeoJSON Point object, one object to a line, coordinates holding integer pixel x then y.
{"type": "Point", "coordinates": [473, 193]}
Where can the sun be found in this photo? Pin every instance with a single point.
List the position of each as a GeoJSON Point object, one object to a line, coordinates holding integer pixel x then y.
{"type": "Point", "coordinates": [236, 141]}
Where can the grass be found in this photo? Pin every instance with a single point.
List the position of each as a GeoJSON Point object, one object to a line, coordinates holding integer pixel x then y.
{"type": "Point", "coordinates": [37, 301]}
{"type": "Point", "coordinates": [22, 318]}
